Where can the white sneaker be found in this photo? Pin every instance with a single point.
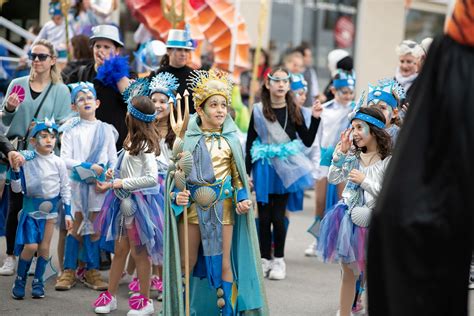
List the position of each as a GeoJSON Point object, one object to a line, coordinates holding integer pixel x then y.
{"type": "Point", "coordinates": [33, 266]}
{"type": "Point", "coordinates": [266, 267]}
{"type": "Point", "coordinates": [311, 250]}
{"type": "Point", "coordinates": [278, 271]}
{"type": "Point", "coordinates": [147, 310]}
{"type": "Point", "coordinates": [107, 305]}
{"type": "Point", "coordinates": [9, 266]}
{"type": "Point", "coordinates": [339, 313]}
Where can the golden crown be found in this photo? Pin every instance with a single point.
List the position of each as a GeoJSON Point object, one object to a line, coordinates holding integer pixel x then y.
{"type": "Point", "coordinates": [205, 84]}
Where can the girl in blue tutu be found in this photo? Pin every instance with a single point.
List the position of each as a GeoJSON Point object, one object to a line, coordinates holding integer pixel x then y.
{"type": "Point", "coordinates": [279, 167]}
{"type": "Point", "coordinates": [131, 219]}
{"type": "Point", "coordinates": [362, 163]}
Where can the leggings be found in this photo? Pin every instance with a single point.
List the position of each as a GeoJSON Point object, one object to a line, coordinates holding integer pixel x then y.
{"type": "Point", "coordinates": [272, 213]}
{"type": "Point", "coordinates": [14, 206]}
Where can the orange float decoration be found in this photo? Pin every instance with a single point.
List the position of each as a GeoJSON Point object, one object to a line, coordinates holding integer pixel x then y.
{"type": "Point", "coordinates": [209, 20]}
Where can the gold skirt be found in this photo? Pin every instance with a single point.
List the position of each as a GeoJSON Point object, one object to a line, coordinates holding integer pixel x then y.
{"type": "Point", "coordinates": [228, 214]}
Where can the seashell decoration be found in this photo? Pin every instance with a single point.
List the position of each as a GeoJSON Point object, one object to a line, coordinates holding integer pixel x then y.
{"type": "Point", "coordinates": [185, 163]}
{"type": "Point", "coordinates": [361, 216]}
{"type": "Point", "coordinates": [204, 196]}
{"type": "Point", "coordinates": [127, 207]}
{"type": "Point", "coordinates": [178, 146]}
{"type": "Point", "coordinates": [180, 180]}
{"type": "Point", "coordinates": [171, 166]}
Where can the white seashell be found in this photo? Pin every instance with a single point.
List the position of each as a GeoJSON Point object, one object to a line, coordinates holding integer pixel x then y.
{"type": "Point", "coordinates": [46, 207]}
{"type": "Point", "coordinates": [204, 196]}
{"type": "Point", "coordinates": [185, 163]}
{"type": "Point", "coordinates": [127, 207]}
{"type": "Point", "coordinates": [180, 180]}
{"type": "Point", "coordinates": [171, 166]}
{"type": "Point", "coordinates": [178, 146]}
{"type": "Point", "coordinates": [361, 215]}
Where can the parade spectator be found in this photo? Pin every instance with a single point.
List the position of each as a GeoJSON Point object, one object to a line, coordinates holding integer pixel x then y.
{"type": "Point", "coordinates": [179, 46]}
{"type": "Point", "coordinates": [81, 54]}
{"type": "Point", "coordinates": [309, 74]}
{"type": "Point", "coordinates": [246, 77]}
{"type": "Point", "coordinates": [31, 97]}
{"type": "Point", "coordinates": [409, 54]}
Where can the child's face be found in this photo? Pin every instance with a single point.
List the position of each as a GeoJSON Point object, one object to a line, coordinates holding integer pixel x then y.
{"type": "Point", "coordinates": [344, 95]}
{"type": "Point", "coordinates": [361, 133]}
{"type": "Point", "coordinates": [57, 19]}
{"type": "Point", "coordinates": [295, 65]}
{"type": "Point", "coordinates": [299, 96]}
{"type": "Point", "coordinates": [280, 86]}
{"type": "Point", "coordinates": [103, 49]}
{"type": "Point", "coordinates": [386, 109]}
{"type": "Point", "coordinates": [160, 101]}
{"type": "Point", "coordinates": [213, 112]}
{"type": "Point", "coordinates": [44, 142]}
{"type": "Point", "coordinates": [86, 104]}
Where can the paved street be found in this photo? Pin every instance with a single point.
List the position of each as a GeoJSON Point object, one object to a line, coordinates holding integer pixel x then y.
{"type": "Point", "coordinates": [311, 288]}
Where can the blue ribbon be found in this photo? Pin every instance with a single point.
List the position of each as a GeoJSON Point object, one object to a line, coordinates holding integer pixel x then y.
{"type": "Point", "coordinates": [369, 119]}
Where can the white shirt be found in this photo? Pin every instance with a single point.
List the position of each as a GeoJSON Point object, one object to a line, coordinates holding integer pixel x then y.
{"type": "Point", "coordinates": [56, 34]}
{"type": "Point", "coordinates": [139, 172]}
{"type": "Point", "coordinates": [45, 177]}
{"type": "Point", "coordinates": [77, 143]}
{"type": "Point", "coordinates": [163, 160]}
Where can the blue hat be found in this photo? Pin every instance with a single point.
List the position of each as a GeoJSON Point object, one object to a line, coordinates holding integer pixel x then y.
{"type": "Point", "coordinates": [180, 39]}
{"type": "Point", "coordinates": [298, 82]}
{"type": "Point", "coordinates": [81, 86]}
{"type": "Point", "coordinates": [345, 79]}
{"type": "Point", "coordinates": [387, 90]}
{"type": "Point", "coordinates": [46, 125]}
{"type": "Point", "coordinates": [55, 9]}
{"type": "Point", "coordinates": [140, 87]}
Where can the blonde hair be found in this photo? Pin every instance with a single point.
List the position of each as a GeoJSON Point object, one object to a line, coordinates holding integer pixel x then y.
{"type": "Point", "coordinates": [409, 47]}
{"type": "Point", "coordinates": [54, 72]}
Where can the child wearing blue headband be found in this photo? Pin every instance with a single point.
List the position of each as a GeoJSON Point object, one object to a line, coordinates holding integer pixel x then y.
{"type": "Point", "coordinates": [130, 219]}
{"type": "Point", "coordinates": [43, 181]}
{"type": "Point", "coordinates": [88, 149]}
{"type": "Point", "coordinates": [362, 163]}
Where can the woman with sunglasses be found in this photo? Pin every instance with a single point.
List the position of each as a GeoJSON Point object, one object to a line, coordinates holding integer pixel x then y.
{"type": "Point", "coordinates": [36, 96]}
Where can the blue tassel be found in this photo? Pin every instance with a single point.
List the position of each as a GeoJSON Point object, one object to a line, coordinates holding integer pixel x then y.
{"type": "Point", "coordinates": [112, 70]}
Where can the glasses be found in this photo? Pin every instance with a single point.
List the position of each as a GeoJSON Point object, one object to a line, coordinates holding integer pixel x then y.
{"type": "Point", "coordinates": [41, 57]}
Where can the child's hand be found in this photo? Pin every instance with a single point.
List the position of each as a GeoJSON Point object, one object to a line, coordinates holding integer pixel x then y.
{"type": "Point", "coordinates": [182, 198]}
{"type": "Point", "coordinates": [345, 141]}
{"type": "Point", "coordinates": [109, 174]}
{"type": "Point", "coordinates": [69, 224]}
{"type": "Point", "coordinates": [101, 187]}
{"type": "Point", "coordinates": [97, 169]}
{"type": "Point", "coordinates": [117, 184]}
{"type": "Point", "coordinates": [243, 207]}
{"type": "Point", "coordinates": [356, 176]}
{"type": "Point", "coordinates": [317, 108]}
{"type": "Point", "coordinates": [250, 180]}
{"type": "Point", "coordinates": [15, 159]}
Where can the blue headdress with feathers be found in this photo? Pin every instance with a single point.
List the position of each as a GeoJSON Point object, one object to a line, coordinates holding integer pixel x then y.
{"type": "Point", "coordinates": [140, 87]}
{"type": "Point", "coordinates": [165, 83]}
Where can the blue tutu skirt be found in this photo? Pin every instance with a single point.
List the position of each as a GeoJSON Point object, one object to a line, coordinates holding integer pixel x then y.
{"type": "Point", "coordinates": [145, 228]}
{"type": "Point", "coordinates": [340, 240]}
{"type": "Point", "coordinates": [266, 181]}
{"type": "Point", "coordinates": [29, 231]}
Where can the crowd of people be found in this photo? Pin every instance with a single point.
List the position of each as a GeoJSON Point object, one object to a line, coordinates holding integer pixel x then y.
{"type": "Point", "coordinates": [109, 160]}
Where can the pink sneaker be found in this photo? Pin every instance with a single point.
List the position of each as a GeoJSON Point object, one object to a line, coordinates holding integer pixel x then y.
{"type": "Point", "coordinates": [358, 309]}
{"type": "Point", "coordinates": [140, 305]}
{"type": "Point", "coordinates": [105, 303]}
{"type": "Point", "coordinates": [156, 284]}
{"type": "Point", "coordinates": [134, 286]}
{"type": "Point", "coordinates": [80, 274]}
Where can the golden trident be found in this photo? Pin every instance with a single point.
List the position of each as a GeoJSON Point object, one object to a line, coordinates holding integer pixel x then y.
{"type": "Point", "coordinates": [179, 127]}
{"type": "Point", "coordinates": [65, 6]}
{"type": "Point", "coordinates": [172, 14]}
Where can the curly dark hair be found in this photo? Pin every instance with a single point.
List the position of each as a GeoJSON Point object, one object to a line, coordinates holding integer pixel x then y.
{"type": "Point", "coordinates": [294, 112]}
{"type": "Point", "coordinates": [142, 136]}
{"type": "Point", "coordinates": [383, 139]}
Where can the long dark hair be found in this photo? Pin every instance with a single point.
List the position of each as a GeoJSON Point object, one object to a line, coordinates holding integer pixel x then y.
{"type": "Point", "coordinates": [293, 111]}
{"type": "Point", "coordinates": [170, 135]}
{"type": "Point", "coordinates": [142, 136]}
{"type": "Point", "coordinates": [383, 139]}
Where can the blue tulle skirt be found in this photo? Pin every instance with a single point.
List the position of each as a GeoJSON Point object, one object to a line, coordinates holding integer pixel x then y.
{"type": "Point", "coordinates": [144, 228]}
{"type": "Point", "coordinates": [29, 231]}
{"type": "Point", "coordinates": [340, 240]}
{"type": "Point", "coordinates": [266, 181]}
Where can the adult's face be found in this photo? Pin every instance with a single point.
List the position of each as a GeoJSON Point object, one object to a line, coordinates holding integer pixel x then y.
{"type": "Point", "coordinates": [103, 49]}
{"type": "Point", "coordinates": [178, 57]}
{"type": "Point", "coordinates": [308, 57]}
{"type": "Point", "coordinates": [41, 64]}
{"type": "Point", "coordinates": [408, 65]}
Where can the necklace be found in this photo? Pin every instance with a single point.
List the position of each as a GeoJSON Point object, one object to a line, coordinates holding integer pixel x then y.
{"type": "Point", "coordinates": [277, 105]}
{"type": "Point", "coordinates": [286, 119]}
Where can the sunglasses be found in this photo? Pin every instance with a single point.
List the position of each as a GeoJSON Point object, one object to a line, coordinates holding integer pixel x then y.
{"type": "Point", "coordinates": [41, 57]}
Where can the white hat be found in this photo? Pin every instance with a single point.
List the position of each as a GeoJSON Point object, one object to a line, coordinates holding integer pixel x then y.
{"type": "Point", "coordinates": [109, 32]}
{"type": "Point", "coordinates": [179, 39]}
{"type": "Point", "coordinates": [334, 57]}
